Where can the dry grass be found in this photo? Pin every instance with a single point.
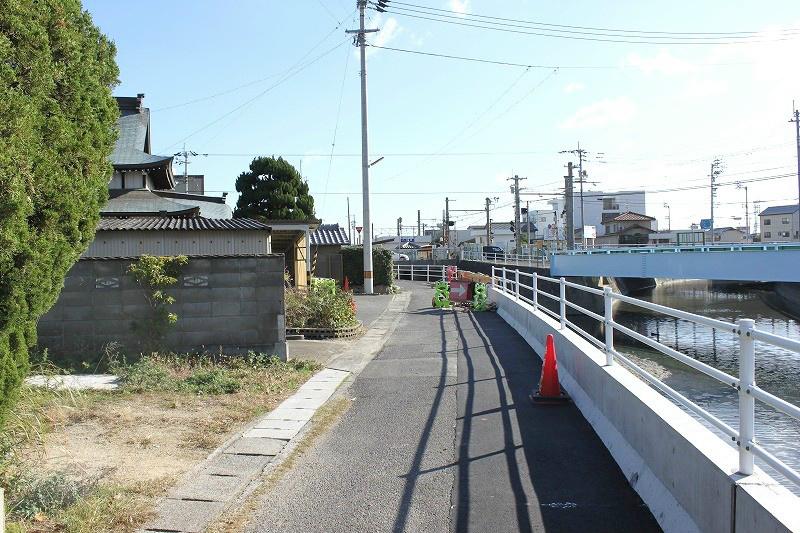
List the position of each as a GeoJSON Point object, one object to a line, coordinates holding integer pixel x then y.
{"type": "Point", "coordinates": [234, 520]}
{"type": "Point", "coordinates": [114, 453]}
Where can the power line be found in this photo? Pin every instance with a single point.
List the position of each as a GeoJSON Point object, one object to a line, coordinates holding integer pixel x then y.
{"type": "Point", "coordinates": [259, 95]}
{"type": "Point", "coordinates": [459, 20]}
{"type": "Point", "coordinates": [535, 23]}
{"type": "Point", "coordinates": [336, 125]}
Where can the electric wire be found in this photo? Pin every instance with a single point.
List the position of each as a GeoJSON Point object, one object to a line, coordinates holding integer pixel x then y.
{"type": "Point", "coordinates": [336, 125]}
{"type": "Point", "coordinates": [535, 23]}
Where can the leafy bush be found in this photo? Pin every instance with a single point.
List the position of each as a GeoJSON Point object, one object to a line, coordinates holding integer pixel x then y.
{"type": "Point", "coordinates": [47, 495]}
{"type": "Point", "coordinates": [57, 130]}
{"type": "Point", "coordinates": [324, 284]}
{"type": "Point", "coordinates": [156, 274]}
{"type": "Point", "coordinates": [353, 265]}
{"type": "Point", "coordinates": [318, 307]}
{"type": "Point", "coordinates": [213, 381]}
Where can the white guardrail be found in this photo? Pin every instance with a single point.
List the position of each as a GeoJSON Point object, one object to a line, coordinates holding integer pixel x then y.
{"type": "Point", "coordinates": [512, 282]}
{"type": "Point", "coordinates": [507, 258]}
{"type": "Point", "coordinates": [675, 248]}
{"type": "Point", "coordinates": [421, 272]}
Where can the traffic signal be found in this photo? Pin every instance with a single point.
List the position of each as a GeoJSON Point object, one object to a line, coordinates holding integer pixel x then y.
{"type": "Point", "coordinates": [524, 210]}
{"type": "Point", "coordinates": [512, 227]}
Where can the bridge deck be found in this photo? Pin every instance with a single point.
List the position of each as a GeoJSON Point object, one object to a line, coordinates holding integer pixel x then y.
{"type": "Point", "coordinates": [441, 437]}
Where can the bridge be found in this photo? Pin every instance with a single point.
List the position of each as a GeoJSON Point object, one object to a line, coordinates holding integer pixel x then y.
{"type": "Point", "coordinates": [739, 262]}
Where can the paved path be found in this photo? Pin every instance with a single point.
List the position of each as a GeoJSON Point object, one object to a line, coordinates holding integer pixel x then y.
{"type": "Point", "coordinates": [370, 307]}
{"type": "Point", "coordinates": [441, 437]}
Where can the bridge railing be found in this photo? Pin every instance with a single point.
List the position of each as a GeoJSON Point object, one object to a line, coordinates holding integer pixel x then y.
{"type": "Point", "coordinates": [527, 287]}
{"type": "Point", "coordinates": [674, 248]}
{"type": "Point", "coordinates": [537, 260]}
{"type": "Point", "coordinates": [421, 272]}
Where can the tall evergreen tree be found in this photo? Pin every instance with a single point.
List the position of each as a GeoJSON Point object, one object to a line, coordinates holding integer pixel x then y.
{"type": "Point", "coordinates": [57, 129]}
{"type": "Point", "coordinates": [273, 190]}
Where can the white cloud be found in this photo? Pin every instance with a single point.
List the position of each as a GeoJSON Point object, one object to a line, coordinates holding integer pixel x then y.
{"type": "Point", "coordinates": [603, 113]}
{"type": "Point", "coordinates": [662, 63]}
{"type": "Point", "coordinates": [574, 87]}
{"type": "Point", "coordinates": [461, 7]}
{"type": "Point", "coordinates": [390, 29]}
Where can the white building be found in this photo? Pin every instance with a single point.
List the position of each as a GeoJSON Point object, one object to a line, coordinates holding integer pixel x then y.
{"type": "Point", "coordinates": [598, 207]}
{"type": "Point", "coordinates": [780, 223]}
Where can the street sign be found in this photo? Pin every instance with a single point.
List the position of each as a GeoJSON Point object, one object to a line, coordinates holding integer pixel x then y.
{"type": "Point", "coordinates": [460, 291]}
{"type": "Point", "coordinates": [359, 228]}
{"type": "Point", "coordinates": [705, 223]}
{"type": "Point", "coordinates": [589, 232]}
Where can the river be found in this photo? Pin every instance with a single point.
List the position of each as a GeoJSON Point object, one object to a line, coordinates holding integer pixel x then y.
{"type": "Point", "coordinates": [777, 369]}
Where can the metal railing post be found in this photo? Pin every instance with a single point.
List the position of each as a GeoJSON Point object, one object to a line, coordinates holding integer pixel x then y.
{"type": "Point", "coordinates": [493, 276]}
{"type": "Point", "coordinates": [562, 301]}
{"type": "Point", "coordinates": [444, 273]}
{"type": "Point", "coordinates": [535, 296]}
{"type": "Point", "coordinates": [428, 273]}
{"type": "Point", "coordinates": [747, 379]}
{"type": "Point", "coordinates": [516, 284]}
{"type": "Point", "coordinates": [505, 285]}
{"type": "Point", "coordinates": [608, 305]}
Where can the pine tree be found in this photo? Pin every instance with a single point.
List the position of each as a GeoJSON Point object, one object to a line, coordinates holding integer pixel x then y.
{"type": "Point", "coordinates": [273, 190]}
{"type": "Point", "coordinates": [57, 130]}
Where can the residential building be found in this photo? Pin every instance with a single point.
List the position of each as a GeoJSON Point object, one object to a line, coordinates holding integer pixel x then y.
{"type": "Point", "coordinates": [598, 207]}
{"type": "Point", "coordinates": [780, 223]}
{"type": "Point", "coordinates": [678, 237]}
{"type": "Point", "coordinates": [326, 246]}
{"type": "Point", "coordinates": [627, 228]}
{"type": "Point", "coordinates": [730, 235]}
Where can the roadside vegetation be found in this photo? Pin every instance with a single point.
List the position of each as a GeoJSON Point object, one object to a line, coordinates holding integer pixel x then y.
{"type": "Point", "coordinates": [322, 305]}
{"type": "Point", "coordinates": [93, 461]}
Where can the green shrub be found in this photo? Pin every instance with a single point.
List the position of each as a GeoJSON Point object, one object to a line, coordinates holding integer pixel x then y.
{"type": "Point", "coordinates": [324, 284]}
{"type": "Point", "coordinates": [57, 130]}
{"type": "Point", "coordinates": [213, 381]}
{"type": "Point", "coordinates": [47, 495]}
{"type": "Point", "coordinates": [147, 374]}
{"type": "Point", "coordinates": [353, 265]}
{"type": "Point", "coordinates": [319, 308]}
{"type": "Point", "coordinates": [156, 274]}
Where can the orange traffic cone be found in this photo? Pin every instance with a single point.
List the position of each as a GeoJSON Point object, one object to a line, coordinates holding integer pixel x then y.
{"type": "Point", "coordinates": [346, 285]}
{"type": "Point", "coordinates": [549, 387]}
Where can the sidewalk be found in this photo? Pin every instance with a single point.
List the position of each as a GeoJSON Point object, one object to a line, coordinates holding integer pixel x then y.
{"type": "Point", "coordinates": [441, 437]}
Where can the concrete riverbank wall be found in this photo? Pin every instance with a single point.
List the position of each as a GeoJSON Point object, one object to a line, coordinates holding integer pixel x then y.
{"type": "Point", "coordinates": [684, 472]}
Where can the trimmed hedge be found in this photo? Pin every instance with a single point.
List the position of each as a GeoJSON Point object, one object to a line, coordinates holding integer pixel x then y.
{"type": "Point", "coordinates": [353, 265]}
{"type": "Point", "coordinates": [57, 129]}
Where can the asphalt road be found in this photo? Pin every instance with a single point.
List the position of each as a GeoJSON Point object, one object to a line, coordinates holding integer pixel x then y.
{"type": "Point", "coordinates": [441, 437]}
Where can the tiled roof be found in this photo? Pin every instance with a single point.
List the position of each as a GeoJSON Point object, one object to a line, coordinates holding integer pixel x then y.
{"type": "Point", "coordinates": [193, 224]}
{"type": "Point", "coordinates": [629, 216]}
{"type": "Point", "coordinates": [143, 202]}
{"type": "Point", "coordinates": [132, 149]}
{"type": "Point", "coordinates": [329, 235]}
{"type": "Point", "coordinates": [779, 210]}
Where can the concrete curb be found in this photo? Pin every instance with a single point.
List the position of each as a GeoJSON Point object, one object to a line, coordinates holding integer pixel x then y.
{"type": "Point", "coordinates": [233, 471]}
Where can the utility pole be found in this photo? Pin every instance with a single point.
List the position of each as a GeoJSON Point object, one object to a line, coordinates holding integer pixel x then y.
{"type": "Point", "coordinates": [756, 209]}
{"type": "Point", "coordinates": [419, 223]}
{"type": "Point", "coordinates": [186, 154]}
{"type": "Point", "coordinates": [488, 225]}
{"type": "Point", "coordinates": [569, 228]}
{"type": "Point", "coordinates": [669, 216]}
{"type": "Point", "coordinates": [399, 233]}
{"type": "Point", "coordinates": [349, 231]}
{"type": "Point", "coordinates": [581, 155]}
{"type": "Point", "coordinates": [447, 222]}
{"type": "Point", "coordinates": [716, 170]}
{"type": "Point", "coordinates": [528, 221]}
{"type": "Point", "coordinates": [796, 121]}
{"type": "Point", "coordinates": [361, 42]}
{"type": "Point", "coordinates": [515, 189]}
{"type": "Point", "coordinates": [746, 208]}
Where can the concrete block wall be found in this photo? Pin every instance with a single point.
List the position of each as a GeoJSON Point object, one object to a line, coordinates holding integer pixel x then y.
{"type": "Point", "coordinates": [230, 303]}
{"type": "Point", "coordinates": [683, 471]}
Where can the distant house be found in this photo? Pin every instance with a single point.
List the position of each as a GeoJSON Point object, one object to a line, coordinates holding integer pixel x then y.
{"type": "Point", "coordinates": [678, 237]}
{"type": "Point", "coordinates": [627, 228]}
{"type": "Point", "coordinates": [780, 223]}
{"type": "Point", "coordinates": [730, 235]}
{"type": "Point", "coordinates": [326, 246]}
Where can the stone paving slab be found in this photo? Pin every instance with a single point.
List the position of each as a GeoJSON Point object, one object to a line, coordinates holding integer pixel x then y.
{"type": "Point", "coordinates": [256, 446]}
{"type": "Point", "coordinates": [267, 423]}
{"type": "Point", "coordinates": [303, 403]}
{"type": "Point", "coordinates": [271, 433]}
{"type": "Point", "coordinates": [185, 515]}
{"type": "Point", "coordinates": [210, 487]}
{"type": "Point", "coordinates": [231, 464]}
{"type": "Point", "coordinates": [76, 382]}
{"type": "Point", "coordinates": [285, 413]}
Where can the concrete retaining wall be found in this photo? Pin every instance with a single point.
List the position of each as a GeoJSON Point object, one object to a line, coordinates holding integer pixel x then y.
{"type": "Point", "coordinates": [683, 471]}
{"type": "Point", "coordinates": [229, 303]}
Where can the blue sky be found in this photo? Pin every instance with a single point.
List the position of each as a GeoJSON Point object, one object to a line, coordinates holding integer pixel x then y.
{"type": "Point", "coordinates": [658, 113]}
